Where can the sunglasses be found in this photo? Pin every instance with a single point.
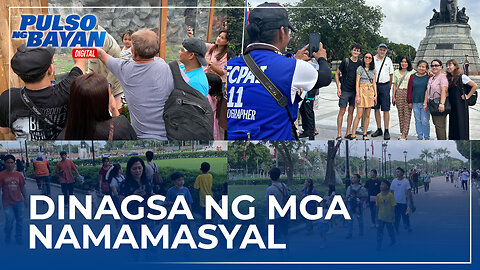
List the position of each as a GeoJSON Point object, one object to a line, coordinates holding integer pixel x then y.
{"type": "Point", "coordinates": [367, 57]}
{"type": "Point", "coordinates": [435, 65]}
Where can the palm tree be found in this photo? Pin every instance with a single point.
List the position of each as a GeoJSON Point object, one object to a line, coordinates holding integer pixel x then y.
{"type": "Point", "coordinates": [426, 154]}
{"type": "Point", "coordinates": [437, 154]}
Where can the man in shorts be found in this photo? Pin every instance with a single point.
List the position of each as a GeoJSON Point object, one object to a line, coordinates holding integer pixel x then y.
{"type": "Point", "coordinates": [383, 74]}
{"type": "Point", "coordinates": [346, 89]}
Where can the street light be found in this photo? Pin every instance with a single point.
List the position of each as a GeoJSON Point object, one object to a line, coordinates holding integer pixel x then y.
{"type": "Point", "coordinates": [384, 158]}
{"type": "Point", "coordinates": [390, 163]}
{"type": "Point", "coordinates": [405, 154]}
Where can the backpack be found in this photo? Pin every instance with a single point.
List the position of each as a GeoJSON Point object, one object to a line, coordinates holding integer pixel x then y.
{"type": "Point", "coordinates": [284, 192]}
{"type": "Point", "coordinates": [156, 176]}
{"type": "Point", "coordinates": [187, 113]}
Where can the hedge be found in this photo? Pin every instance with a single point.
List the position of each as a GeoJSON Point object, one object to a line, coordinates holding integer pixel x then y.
{"type": "Point", "coordinates": [98, 160]}
{"type": "Point", "coordinates": [91, 178]}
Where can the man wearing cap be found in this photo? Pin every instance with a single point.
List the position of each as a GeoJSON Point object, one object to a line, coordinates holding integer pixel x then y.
{"type": "Point", "coordinates": [37, 111]}
{"type": "Point", "coordinates": [252, 111]}
{"type": "Point", "coordinates": [192, 56]}
{"type": "Point", "coordinates": [147, 82]}
{"type": "Point", "coordinates": [383, 73]}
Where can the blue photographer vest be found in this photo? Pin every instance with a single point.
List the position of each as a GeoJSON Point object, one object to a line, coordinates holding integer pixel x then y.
{"type": "Point", "coordinates": [252, 112]}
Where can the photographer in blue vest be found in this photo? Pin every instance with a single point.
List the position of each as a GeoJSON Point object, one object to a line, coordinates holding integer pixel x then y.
{"type": "Point", "coordinates": [253, 113]}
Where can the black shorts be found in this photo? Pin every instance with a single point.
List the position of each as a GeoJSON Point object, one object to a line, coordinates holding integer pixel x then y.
{"type": "Point", "coordinates": [383, 97]}
{"type": "Point", "coordinates": [347, 98]}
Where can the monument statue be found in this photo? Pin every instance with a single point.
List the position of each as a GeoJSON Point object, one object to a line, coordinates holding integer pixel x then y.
{"type": "Point", "coordinates": [448, 36]}
{"type": "Point", "coordinates": [449, 13]}
{"type": "Point", "coordinates": [462, 17]}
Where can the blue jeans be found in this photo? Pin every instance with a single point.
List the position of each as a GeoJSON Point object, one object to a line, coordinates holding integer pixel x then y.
{"type": "Point", "coordinates": [422, 121]}
{"type": "Point", "coordinates": [14, 212]}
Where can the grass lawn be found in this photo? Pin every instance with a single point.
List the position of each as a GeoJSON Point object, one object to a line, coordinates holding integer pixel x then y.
{"type": "Point", "coordinates": [217, 165]}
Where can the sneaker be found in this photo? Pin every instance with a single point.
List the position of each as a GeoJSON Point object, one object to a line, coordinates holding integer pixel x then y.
{"type": "Point", "coordinates": [377, 133]}
{"type": "Point", "coordinates": [386, 136]}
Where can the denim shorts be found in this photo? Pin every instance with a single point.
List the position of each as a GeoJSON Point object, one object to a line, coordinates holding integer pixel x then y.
{"type": "Point", "coordinates": [383, 97]}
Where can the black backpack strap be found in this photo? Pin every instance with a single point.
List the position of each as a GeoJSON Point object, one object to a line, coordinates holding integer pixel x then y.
{"type": "Point", "coordinates": [30, 105]}
{"type": "Point", "coordinates": [271, 88]}
{"type": "Point", "coordinates": [381, 67]}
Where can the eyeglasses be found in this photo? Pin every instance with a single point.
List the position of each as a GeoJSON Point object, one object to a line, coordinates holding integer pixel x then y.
{"type": "Point", "coordinates": [367, 57]}
{"type": "Point", "coordinates": [435, 65]}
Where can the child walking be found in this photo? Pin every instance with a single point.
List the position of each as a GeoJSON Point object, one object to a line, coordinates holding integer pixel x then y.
{"type": "Point", "coordinates": [204, 182]}
{"type": "Point", "coordinates": [385, 213]}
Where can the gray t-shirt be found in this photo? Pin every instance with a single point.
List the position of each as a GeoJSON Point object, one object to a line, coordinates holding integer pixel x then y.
{"type": "Point", "coordinates": [280, 192]}
{"type": "Point", "coordinates": [146, 88]}
{"type": "Point", "coordinates": [365, 75]}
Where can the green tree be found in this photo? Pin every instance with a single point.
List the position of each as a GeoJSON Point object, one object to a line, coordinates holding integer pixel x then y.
{"type": "Point", "coordinates": [464, 148]}
{"type": "Point", "coordinates": [340, 23]}
{"type": "Point", "coordinates": [235, 18]}
{"type": "Point", "coordinates": [426, 154]}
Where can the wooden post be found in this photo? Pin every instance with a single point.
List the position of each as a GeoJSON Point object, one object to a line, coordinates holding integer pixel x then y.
{"type": "Point", "coordinates": [163, 29]}
{"type": "Point", "coordinates": [10, 21]}
{"type": "Point", "coordinates": [210, 21]}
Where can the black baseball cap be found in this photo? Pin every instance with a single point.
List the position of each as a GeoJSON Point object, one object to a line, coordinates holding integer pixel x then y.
{"type": "Point", "coordinates": [270, 18]}
{"type": "Point", "coordinates": [197, 47]}
{"type": "Point", "coordinates": [31, 61]}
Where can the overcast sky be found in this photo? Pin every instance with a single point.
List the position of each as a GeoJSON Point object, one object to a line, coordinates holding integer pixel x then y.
{"type": "Point", "coordinates": [406, 20]}
{"type": "Point", "coordinates": [396, 148]}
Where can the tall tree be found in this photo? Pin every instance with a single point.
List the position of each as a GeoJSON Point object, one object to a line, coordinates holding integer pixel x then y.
{"type": "Point", "coordinates": [426, 154]}
{"type": "Point", "coordinates": [340, 23]}
{"type": "Point", "coordinates": [464, 148]}
{"type": "Point", "coordinates": [331, 154]}
{"type": "Point", "coordinates": [287, 151]}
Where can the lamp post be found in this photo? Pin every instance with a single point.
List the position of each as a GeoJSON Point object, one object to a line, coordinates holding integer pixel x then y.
{"type": "Point", "coordinates": [384, 161]}
{"type": "Point", "coordinates": [405, 154]}
{"type": "Point", "coordinates": [390, 163]}
{"type": "Point", "coordinates": [366, 161]}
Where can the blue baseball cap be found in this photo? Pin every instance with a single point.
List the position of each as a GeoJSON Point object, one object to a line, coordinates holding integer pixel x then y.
{"type": "Point", "coordinates": [383, 45]}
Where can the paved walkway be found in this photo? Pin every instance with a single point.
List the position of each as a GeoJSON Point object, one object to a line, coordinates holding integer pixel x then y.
{"type": "Point", "coordinates": [327, 110]}
{"type": "Point", "coordinates": [441, 232]}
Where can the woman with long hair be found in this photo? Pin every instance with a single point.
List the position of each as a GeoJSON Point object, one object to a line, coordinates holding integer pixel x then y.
{"type": "Point", "coordinates": [136, 183]}
{"type": "Point", "coordinates": [216, 56]}
{"type": "Point", "coordinates": [417, 86]}
{"type": "Point", "coordinates": [401, 77]}
{"type": "Point", "coordinates": [437, 88]}
{"type": "Point", "coordinates": [92, 114]}
{"type": "Point", "coordinates": [366, 96]}
{"type": "Point", "coordinates": [458, 119]}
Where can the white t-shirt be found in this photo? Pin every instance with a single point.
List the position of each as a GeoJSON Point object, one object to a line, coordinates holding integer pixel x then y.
{"type": "Point", "coordinates": [464, 176]}
{"type": "Point", "coordinates": [400, 188]}
{"type": "Point", "coordinates": [116, 181]}
{"type": "Point", "coordinates": [465, 79]}
{"type": "Point", "coordinates": [386, 70]}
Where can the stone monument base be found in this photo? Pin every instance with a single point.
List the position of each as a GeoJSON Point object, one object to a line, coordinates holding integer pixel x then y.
{"type": "Point", "coordinates": [450, 41]}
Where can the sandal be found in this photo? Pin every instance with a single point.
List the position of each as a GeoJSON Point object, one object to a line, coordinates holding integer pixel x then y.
{"type": "Point", "coordinates": [353, 138]}
{"type": "Point", "coordinates": [349, 136]}
{"type": "Point", "coordinates": [339, 138]}
{"type": "Point", "coordinates": [365, 137]}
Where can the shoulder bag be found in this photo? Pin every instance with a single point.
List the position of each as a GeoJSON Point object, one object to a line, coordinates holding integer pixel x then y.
{"type": "Point", "coordinates": [434, 103]}
{"type": "Point", "coordinates": [271, 88]}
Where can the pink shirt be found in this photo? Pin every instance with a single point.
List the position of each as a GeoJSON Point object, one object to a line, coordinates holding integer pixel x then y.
{"type": "Point", "coordinates": [213, 57]}
{"type": "Point", "coordinates": [217, 135]}
{"type": "Point", "coordinates": [435, 84]}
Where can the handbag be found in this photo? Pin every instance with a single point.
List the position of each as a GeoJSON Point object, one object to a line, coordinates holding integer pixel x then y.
{"type": "Point", "coordinates": [434, 103]}
{"type": "Point", "coordinates": [473, 99]}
